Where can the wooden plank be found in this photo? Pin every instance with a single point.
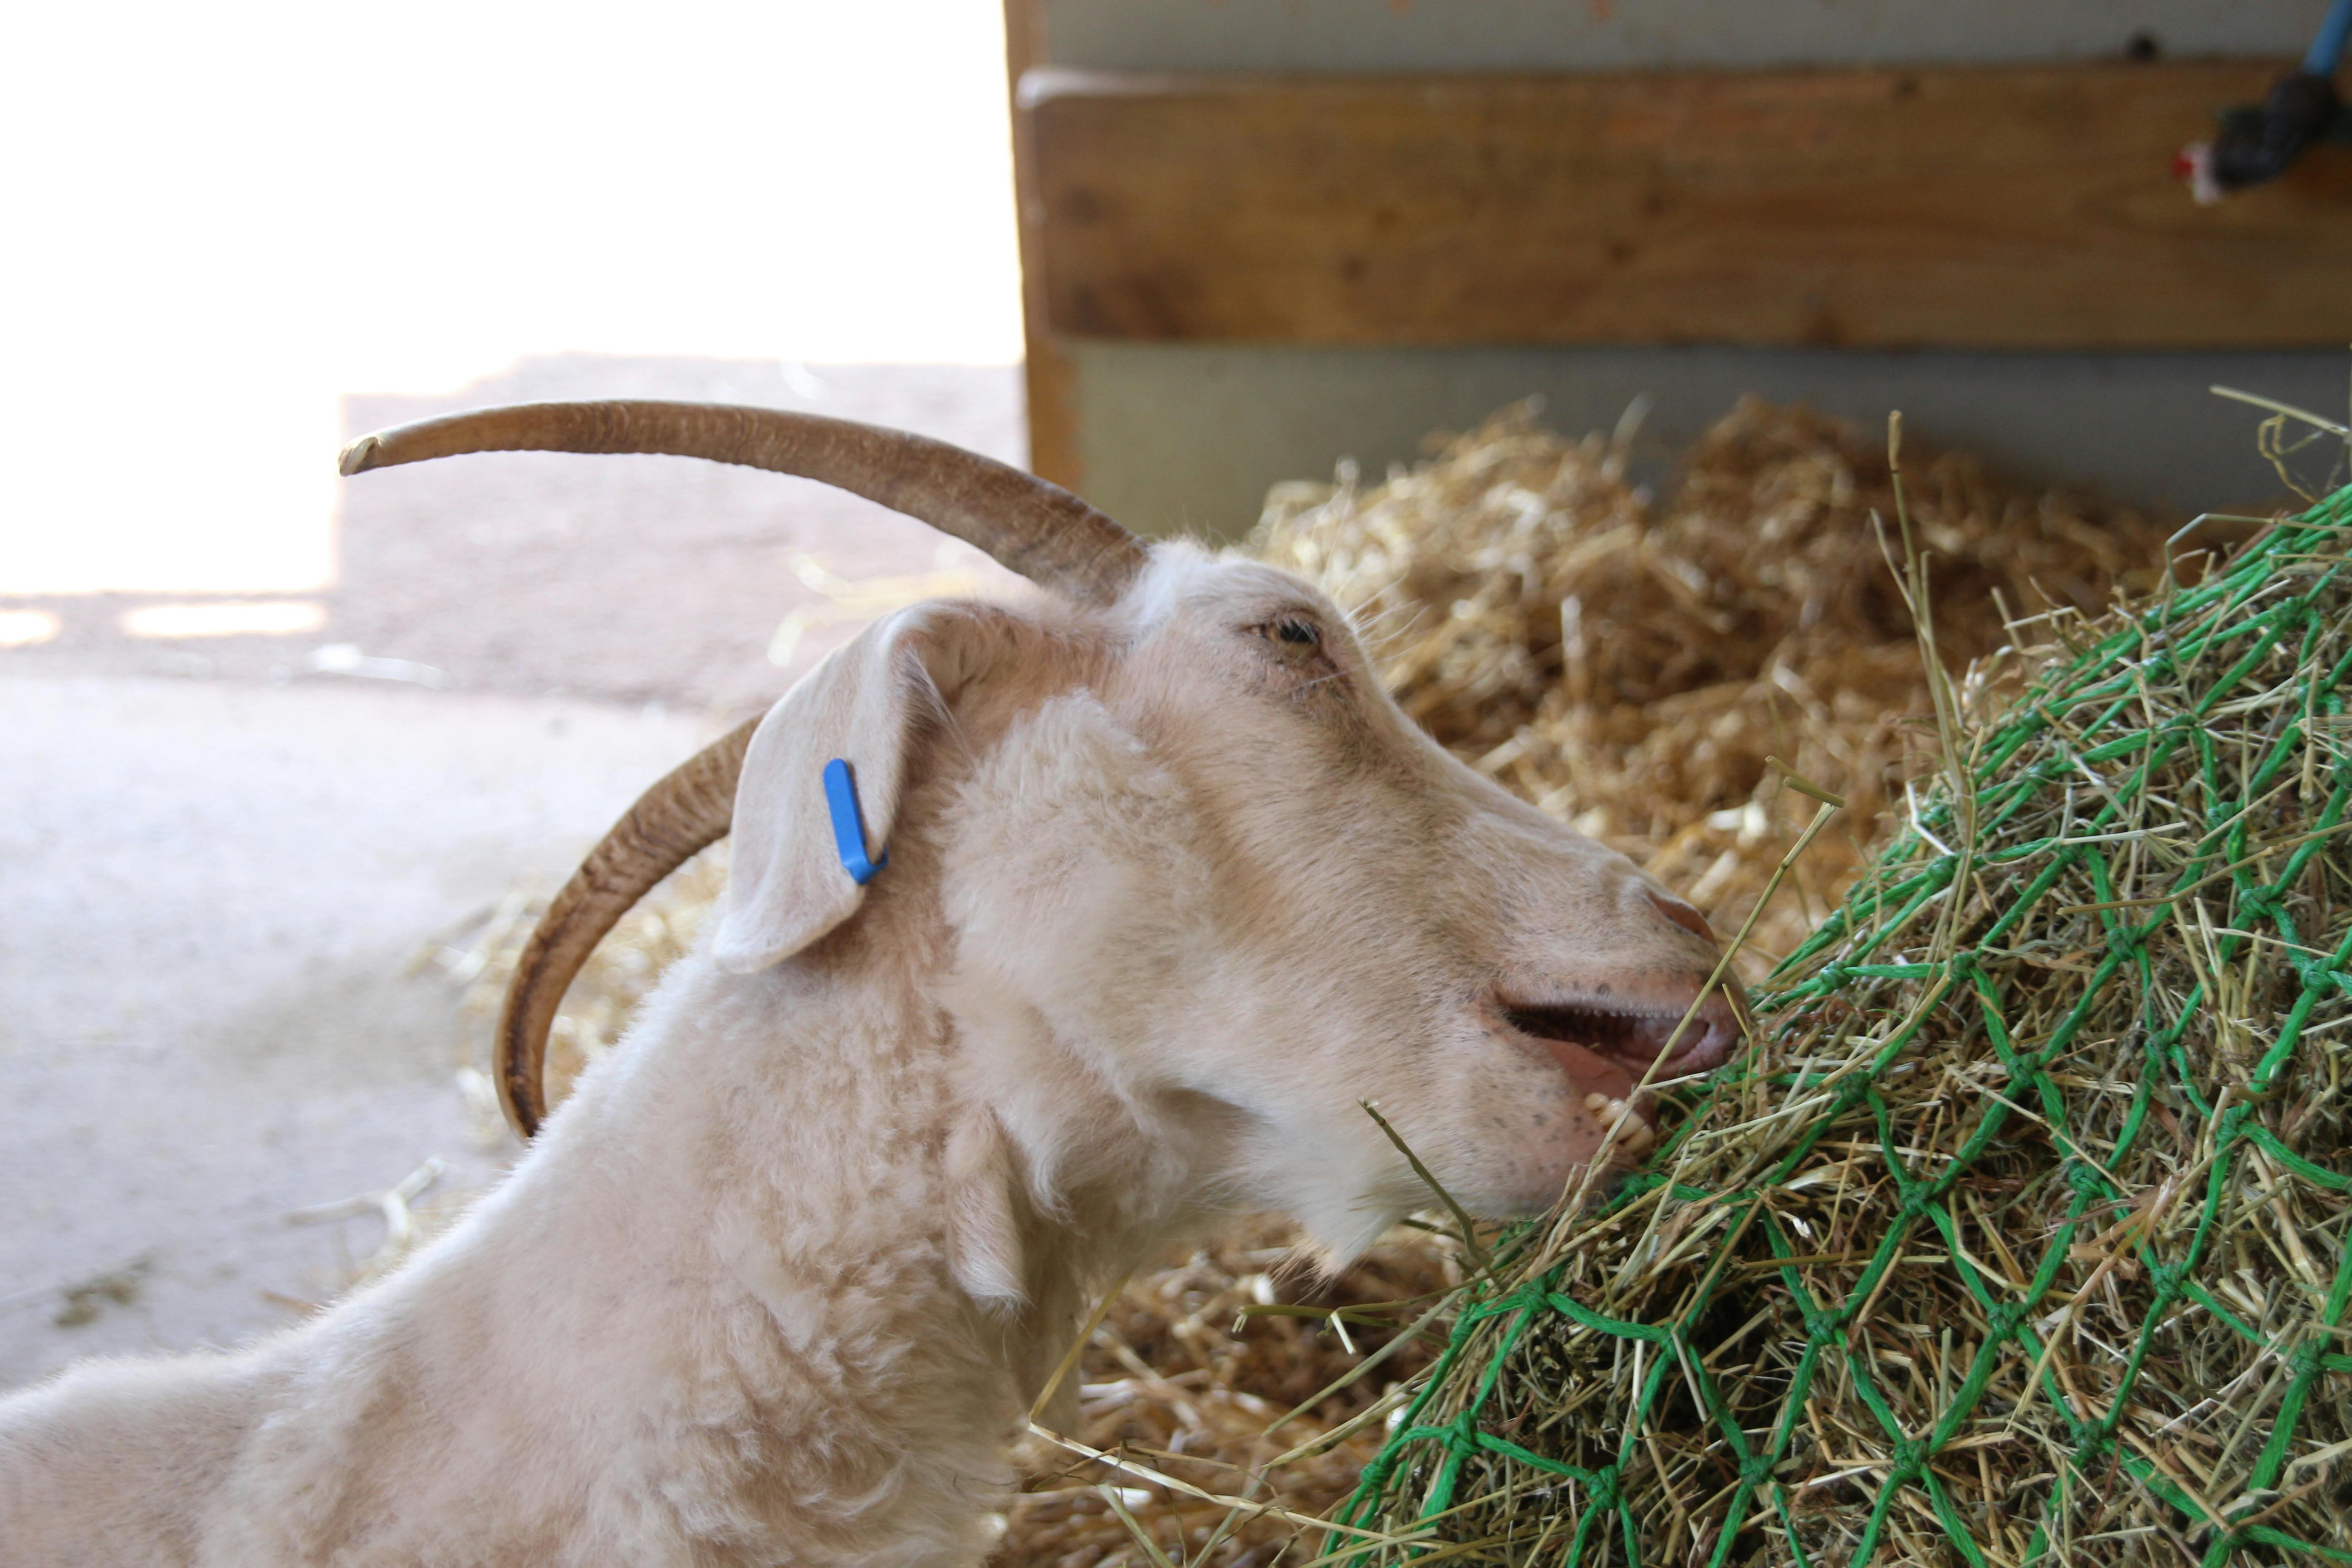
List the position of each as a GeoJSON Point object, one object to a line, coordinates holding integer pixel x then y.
{"type": "Point", "coordinates": [1045, 369]}
{"type": "Point", "coordinates": [1995, 208]}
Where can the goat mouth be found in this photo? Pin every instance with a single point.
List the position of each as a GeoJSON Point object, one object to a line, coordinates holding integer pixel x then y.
{"type": "Point", "coordinates": [1607, 1051]}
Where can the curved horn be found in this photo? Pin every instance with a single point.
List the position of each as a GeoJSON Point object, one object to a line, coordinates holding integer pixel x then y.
{"type": "Point", "coordinates": [686, 811]}
{"type": "Point", "coordinates": [1039, 530]}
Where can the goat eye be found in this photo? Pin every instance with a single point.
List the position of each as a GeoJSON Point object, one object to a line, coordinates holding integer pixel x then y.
{"type": "Point", "coordinates": [1297, 632]}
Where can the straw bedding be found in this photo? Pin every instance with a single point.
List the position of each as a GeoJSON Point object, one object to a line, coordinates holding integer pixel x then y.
{"type": "Point", "coordinates": [1629, 664]}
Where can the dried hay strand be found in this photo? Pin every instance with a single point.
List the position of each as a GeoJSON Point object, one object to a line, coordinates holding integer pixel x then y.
{"type": "Point", "coordinates": [1628, 666]}
{"type": "Point", "coordinates": [2021, 1235]}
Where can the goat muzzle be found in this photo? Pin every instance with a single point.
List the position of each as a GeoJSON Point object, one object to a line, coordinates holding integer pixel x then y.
{"type": "Point", "coordinates": [1618, 1052]}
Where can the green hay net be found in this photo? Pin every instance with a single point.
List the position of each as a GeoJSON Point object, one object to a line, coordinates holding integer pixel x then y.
{"type": "Point", "coordinates": [2021, 1234]}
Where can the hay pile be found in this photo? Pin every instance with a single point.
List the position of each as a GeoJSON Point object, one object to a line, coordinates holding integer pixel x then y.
{"type": "Point", "coordinates": [1184, 1386]}
{"type": "Point", "coordinates": [1751, 614]}
{"type": "Point", "coordinates": [2023, 1234]}
{"type": "Point", "coordinates": [1628, 666]}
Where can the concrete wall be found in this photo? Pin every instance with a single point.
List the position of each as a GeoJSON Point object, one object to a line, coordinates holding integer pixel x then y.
{"type": "Point", "coordinates": [1188, 437]}
{"type": "Point", "coordinates": [1635, 34]}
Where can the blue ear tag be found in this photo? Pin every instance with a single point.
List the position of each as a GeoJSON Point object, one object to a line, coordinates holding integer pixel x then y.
{"type": "Point", "coordinates": [849, 824]}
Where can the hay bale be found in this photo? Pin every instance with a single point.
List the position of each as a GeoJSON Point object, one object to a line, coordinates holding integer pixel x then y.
{"type": "Point", "coordinates": [2021, 1234]}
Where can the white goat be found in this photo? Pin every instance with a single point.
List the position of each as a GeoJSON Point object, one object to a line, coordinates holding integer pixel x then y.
{"type": "Point", "coordinates": [1171, 888]}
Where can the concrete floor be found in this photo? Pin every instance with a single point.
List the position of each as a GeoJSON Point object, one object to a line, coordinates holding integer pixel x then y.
{"type": "Point", "coordinates": [220, 865]}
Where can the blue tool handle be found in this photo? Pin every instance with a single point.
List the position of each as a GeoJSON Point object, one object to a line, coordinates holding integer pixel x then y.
{"type": "Point", "coordinates": [2328, 50]}
{"type": "Point", "coordinates": [849, 824]}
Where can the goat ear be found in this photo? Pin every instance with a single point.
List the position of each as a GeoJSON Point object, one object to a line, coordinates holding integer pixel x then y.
{"type": "Point", "coordinates": [869, 703]}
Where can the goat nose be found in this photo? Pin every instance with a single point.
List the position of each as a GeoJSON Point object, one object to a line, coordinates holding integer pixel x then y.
{"type": "Point", "coordinates": [1682, 915]}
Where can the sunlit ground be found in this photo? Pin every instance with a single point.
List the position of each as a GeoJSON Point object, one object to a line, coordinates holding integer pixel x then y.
{"type": "Point", "coordinates": [225, 219]}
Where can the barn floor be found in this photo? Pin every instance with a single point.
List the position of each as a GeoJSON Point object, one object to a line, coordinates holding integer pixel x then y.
{"type": "Point", "coordinates": [223, 859]}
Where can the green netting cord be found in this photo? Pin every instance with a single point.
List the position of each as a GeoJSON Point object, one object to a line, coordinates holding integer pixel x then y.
{"type": "Point", "coordinates": [2277, 594]}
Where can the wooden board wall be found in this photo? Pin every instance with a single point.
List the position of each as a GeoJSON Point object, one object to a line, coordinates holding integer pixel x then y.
{"type": "Point", "coordinates": [1052, 418]}
{"type": "Point", "coordinates": [1992, 208]}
